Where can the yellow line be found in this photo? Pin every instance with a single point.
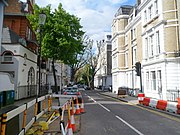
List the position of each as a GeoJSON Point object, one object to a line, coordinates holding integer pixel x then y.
{"type": "Point", "coordinates": [158, 113]}
{"type": "Point", "coordinates": [147, 109]}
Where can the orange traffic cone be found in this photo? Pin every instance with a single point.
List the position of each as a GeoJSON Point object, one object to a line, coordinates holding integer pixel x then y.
{"type": "Point", "coordinates": [82, 107]}
{"type": "Point", "coordinates": [73, 121]}
{"type": "Point", "coordinates": [69, 131]}
{"type": "Point", "coordinates": [77, 107]}
{"type": "Point", "coordinates": [72, 108]}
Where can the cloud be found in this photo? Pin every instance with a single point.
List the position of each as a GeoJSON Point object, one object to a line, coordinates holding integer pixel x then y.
{"type": "Point", "coordinates": [96, 15]}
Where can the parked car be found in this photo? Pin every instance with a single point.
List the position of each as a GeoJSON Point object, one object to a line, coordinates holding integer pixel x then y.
{"type": "Point", "coordinates": [71, 91]}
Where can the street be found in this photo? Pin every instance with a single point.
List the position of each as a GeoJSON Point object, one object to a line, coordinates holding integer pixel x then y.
{"type": "Point", "coordinates": [107, 116]}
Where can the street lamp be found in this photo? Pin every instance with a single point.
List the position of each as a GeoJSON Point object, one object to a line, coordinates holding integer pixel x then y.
{"type": "Point", "coordinates": [42, 19]}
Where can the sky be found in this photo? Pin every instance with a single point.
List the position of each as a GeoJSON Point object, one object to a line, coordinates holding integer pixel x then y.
{"type": "Point", "coordinates": [96, 15]}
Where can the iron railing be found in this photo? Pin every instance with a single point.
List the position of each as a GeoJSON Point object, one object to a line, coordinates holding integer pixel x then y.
{"type": "Point", "coordinates": [172, 95]}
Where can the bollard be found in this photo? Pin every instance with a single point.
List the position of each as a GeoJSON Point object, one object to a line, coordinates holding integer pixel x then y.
{"type": "Point", "coordinates": [3, 124]}
{"type": "Point", "coordinates": [44, 104]}
{"type": "Point", "coordinates": [35, 109]}
{"type": "Point", "coordinates": [24, 119]}
{"type": "Point", "coordinates": [49, 104]}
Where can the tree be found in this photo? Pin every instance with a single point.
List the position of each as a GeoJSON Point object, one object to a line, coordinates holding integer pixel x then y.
{"type": "Point", "coordinates": [94, 63]}
{"type": "Point", "coordinates": [82, 59]}
{"type": "Point", "coordinates": [62, 35]}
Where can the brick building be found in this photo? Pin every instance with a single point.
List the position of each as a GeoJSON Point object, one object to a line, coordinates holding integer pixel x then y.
{"type": "Point", "coordinates": [19, 48]}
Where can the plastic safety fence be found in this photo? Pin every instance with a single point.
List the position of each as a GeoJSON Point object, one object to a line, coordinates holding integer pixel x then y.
{"type": "Point", "coordinates": [172, 107]}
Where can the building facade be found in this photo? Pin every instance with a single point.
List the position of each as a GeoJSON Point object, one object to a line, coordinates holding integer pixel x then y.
{"type": "Point", "coordinates": [103, 77]}
{"type": "Point", "coordinates": [19, 48]}
{"type": "Point", "coordinates": [3, 3]}
{"type": "Point", "coordinates": [149, 34]}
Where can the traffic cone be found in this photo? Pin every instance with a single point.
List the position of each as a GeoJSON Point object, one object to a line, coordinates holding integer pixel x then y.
{"type": "Point", "coordinates": [82, 107]}
{"type": "Point", "coordinates": [77, 107]}
{"type": "Point", "coordinates": [72, 107]}
{"type": "Point", "coordinates": [73, 121]}
{"type": "Point", "coordinates": [70, 131]}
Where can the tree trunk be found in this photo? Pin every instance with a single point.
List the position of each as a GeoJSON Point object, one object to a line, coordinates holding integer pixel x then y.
{"type": "Point", "coordinates": [92, 82]}
{"type": "Point", "coordinates": [73, 74]}
{"type": "Point", "coordinates": [54, 75]}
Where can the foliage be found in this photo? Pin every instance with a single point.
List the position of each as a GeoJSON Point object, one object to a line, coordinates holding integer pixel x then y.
{"type": "Point", "coordinates": [62, 34]}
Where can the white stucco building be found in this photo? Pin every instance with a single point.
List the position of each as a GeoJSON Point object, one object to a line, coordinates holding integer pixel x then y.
{"type": "Point", "coordinates": [147, 33]}
{"type": "Point", "coordinates": [103, 77]}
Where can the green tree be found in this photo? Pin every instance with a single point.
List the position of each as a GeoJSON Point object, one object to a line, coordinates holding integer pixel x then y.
{"type": "Point", "coordinates": [62, 35]}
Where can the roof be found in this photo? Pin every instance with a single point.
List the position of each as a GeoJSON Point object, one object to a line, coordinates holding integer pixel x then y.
{"type": "Point", "coordinates": [124, 10]}
{"type": "Point", "coordinates": [10, 37]}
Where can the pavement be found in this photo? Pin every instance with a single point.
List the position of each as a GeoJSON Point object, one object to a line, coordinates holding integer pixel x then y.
{"type": "Point", "coordinates": [126, 98]}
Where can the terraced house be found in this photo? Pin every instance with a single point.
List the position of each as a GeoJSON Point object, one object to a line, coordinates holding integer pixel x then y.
{"type": "Point", "coordinates": [147, 33]}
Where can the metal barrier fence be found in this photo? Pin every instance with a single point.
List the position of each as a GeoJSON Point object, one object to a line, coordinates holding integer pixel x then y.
{"type": "Point", "coordinates": [172, 95]}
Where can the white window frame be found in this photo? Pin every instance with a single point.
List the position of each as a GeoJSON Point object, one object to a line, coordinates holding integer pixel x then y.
{"type": "Point", "coordinates": [146, 48]}
{"type": "Point", "coordinates": [158, 48]}
{"type": "Point", "coordinates": [147, 81]}
{"type": "Point", "coordinates": [7, 57]}
{"type": "Point", "coordinates": [126, 59]}
{"type": "Point", "coordinates": [159, 81]}
{"type": "Point", "coordinates": [145, 16]}
{"type": "Point", "coordinates": [150, 12]}
{"type": "Point", "coordinates": [156, 6]}
{"type": "Point", "coordinates": [153, 80]}
{"type": "Point", "coordinates": [151, 45]}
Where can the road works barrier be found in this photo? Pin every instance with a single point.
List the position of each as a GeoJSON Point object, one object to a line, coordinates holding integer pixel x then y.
{"type": "Point", "coordinates": [141, 97]}
{"type": "Point", "coordinates": [54, 112]}
{"type": "Point", "coordinates": [173, 107]}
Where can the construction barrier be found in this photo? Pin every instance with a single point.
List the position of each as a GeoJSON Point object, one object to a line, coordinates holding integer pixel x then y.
{"type": "Point", "coordinates": [146, 101]}
{"type": "Point", "coordinates": [173, 107]}
{"type": "Point", "coordinates": [141, 97]}
{"type": "Point", "coordinates": [162, 104]}
{"type": "Point", "coordinates": [65, 113]}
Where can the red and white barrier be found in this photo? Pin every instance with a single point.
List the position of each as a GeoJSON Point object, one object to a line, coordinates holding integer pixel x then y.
{"type": "Point", "coordinates": [173, 107]}
{"type": "Point", "coordinates": [141, 97]}
{"type": "Point", "coordinates": [153, 103]}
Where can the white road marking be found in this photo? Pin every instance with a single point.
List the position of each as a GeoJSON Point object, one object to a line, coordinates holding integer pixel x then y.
{"type": "Point", "coordinates": [99, 104]}
{"type": "Point", "coordinates": [104, 107]}
{"type": "Point", "coordinates": [137, 131]}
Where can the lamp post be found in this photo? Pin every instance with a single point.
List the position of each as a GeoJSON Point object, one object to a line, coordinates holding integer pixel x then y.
{"type": "Point", "coordinates": [42, 19]}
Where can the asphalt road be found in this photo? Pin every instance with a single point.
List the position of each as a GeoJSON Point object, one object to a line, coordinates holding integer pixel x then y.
{"type": "Point", "coordinates": [107, 116]}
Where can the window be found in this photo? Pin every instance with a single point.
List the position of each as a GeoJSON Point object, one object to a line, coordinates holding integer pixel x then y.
{"type": "Point", "coordinates": [7, 57]}
{"type": "Point", "coordinates": [126, 39]}
{"type": "Point", "coordinates": [159, 81]}
{"type": "Point", "coordinates": [145, 16]}
{"type": "Point", "coordinates": [28, 33]}
{"type": "Point", "coordinates": [115, 62]}
{"type": "Point", "coordinates": [153, 80]}
{"type": "Point", "coordinates": [151, 45]}
{"type": "Point", "coordinates": [126, 59]}
{"type": "Point", "coordinates": [146, 48]}
{"type": "Point", "coordinates": [147, 80]}
{"type": "Point", "coordinates": [150, 12]}
{"type": "Point", "coordinates": [134, 55]}
{"type": "Point", "coordinates": [156, 6]}
{"type": "Point", "coordinates": [157, 43]}
{"type": "Point", "coordinates": [133, 34]}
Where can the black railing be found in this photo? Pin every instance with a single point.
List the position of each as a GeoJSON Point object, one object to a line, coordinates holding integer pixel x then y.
{"type": "Point", "coordinates": [172, 95]}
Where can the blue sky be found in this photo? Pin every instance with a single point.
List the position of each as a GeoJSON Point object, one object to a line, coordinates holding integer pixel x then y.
{"type": "Point", "coordinates": [96, 15]}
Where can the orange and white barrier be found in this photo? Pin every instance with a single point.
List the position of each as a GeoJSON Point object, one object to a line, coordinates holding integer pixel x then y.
{"type": "Point", "coordinates": [141, 97]}
{"type": "Point", "coordinates": [173, 107]}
